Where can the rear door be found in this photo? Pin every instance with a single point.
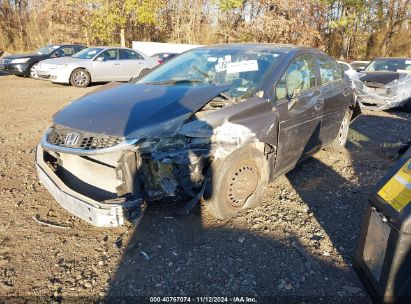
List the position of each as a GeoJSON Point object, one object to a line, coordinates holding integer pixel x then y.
{"type": "Point", "coordinates": [337, 96]}
{"type": "Point", "coordinates": [300, 114]}
{"type": "Point", "coordinates": [131, 64]}
{"type": "Point", "coordinates": [107, 66]}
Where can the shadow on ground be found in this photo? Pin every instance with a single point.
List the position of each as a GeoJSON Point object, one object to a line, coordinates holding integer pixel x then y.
{"type": "Point", "coordinates": [179, 256]}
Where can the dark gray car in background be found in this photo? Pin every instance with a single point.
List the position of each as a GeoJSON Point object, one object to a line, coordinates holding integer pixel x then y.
{"type": "Point", "coordinates": [215, 123]}
{"type": "Point", "coordinates": [25, 64]}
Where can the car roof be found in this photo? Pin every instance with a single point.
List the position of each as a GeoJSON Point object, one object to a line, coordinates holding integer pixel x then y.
{"type": "Point", "coordinates": [66, 44]}
{"type": "Point", "coordinates": [392, 58]}
{"type": "Point", "coordinates": [261, 46]}
{"type": "Point", "coordinates": [110, 47]}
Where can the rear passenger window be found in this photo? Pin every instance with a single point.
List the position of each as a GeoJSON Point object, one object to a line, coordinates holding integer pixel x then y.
{"type": "Point", "coordinates": [330, 70]}
{"type": "Point", "coordinates": [129, 55]}
{"type": "Point", "coordinates": [300, 76]}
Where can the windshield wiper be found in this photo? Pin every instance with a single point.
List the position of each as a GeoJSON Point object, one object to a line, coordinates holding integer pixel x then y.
{"type": "Point", "coordinates": [174, 81]}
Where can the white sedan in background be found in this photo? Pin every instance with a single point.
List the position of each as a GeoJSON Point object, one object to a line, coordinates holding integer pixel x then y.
{"type": "Point", "coordinates": [96, 64]}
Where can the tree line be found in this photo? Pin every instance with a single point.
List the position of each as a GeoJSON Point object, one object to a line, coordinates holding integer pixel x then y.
{"type": "Point", "coordinates": [345, 29]}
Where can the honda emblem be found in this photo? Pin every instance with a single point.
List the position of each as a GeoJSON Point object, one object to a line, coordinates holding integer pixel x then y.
{"type": "Point", "coordinates": [71, 139]}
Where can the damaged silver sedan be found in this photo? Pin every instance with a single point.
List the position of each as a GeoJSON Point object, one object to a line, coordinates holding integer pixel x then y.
{"type": "Point", "coordinates": [215, 123]}
{"type": "Point", "coordinates": [384, 84]}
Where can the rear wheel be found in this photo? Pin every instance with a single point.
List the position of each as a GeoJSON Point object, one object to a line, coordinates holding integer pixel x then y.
{"type": "Point", "coordinates": [237, 183]}
{"type": "Point", "coordinates": [80, 78]}
{"type": "Point", "coordinates": [339, 142]}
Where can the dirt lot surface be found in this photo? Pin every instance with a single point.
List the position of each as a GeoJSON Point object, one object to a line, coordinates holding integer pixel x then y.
{"type": "Point", "coordinates": [318, 207]}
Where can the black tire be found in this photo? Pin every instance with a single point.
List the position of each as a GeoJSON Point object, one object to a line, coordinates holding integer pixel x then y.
{"type": "Point", "coordinates": [339, 142]}
{"type": "Point", "coordinates": [407, 106]}
{"type": "Point", "coordinates": [32, 71]}
{"type": "Point", "coordinates": [80, 78]}
{"type": "Point", "coordinates": [236, 183]}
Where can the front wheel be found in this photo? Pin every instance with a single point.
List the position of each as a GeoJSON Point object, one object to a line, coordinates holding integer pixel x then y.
{"type": "Point", "coordinates": [339, 142]}
{"type": "Point", "coordinates": [33, 71]}
{"type": "Point", "coordinates": [80, 78]}
{"type": "Point", "coordinates": [407, 106]}
{"type": "Point", "coordinates": [236, 183]}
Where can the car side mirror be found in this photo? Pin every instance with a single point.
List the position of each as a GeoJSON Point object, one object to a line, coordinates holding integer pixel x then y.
{"type": "Point", "coordinates": [100, 59]}
{"type": "Point", "coordinates": [360, 70]}
{"type": "Point", "coordinates": [57, 54]}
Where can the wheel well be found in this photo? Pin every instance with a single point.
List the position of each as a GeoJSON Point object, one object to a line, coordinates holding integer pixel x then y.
{"type": "Point", "coordinates": [356, 110]}
{"type": "Point", "coordinates": [265, 148]}
{"type": "Point", "coordinates": [80, 68]}
{"type": "Point", "coordinates": [30, 66]}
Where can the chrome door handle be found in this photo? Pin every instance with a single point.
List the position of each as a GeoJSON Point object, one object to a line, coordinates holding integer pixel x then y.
{"type": "Point", "coordinates": [117, 64]}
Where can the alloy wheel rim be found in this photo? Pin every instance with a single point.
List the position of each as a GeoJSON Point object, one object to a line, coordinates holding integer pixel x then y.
{"type": "Point", "coordinates": [243, 183]}
{"type": "Point", "coordinates": [33, 70]}
{"type": "Point", "coordinates": [80, 78]}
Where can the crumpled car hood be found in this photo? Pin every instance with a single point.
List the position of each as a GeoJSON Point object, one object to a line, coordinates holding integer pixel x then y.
{"type": "Point", "coordinates": [136, 110]}
{"type": "Point", "coordinates": [380, 77]}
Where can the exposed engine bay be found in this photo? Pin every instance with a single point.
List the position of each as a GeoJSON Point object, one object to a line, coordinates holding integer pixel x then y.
{"type": "Point", "coordinates": [121, 175]}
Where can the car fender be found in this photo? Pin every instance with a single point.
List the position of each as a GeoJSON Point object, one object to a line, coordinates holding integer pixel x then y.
{"type": "Point", "coordinates": [81, 66]}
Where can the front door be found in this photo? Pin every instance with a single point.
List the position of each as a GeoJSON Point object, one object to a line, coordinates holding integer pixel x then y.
{"type": "Point", "coordinates": [107, 66]}
{"type": "Point", "coordinates": [300, 106]}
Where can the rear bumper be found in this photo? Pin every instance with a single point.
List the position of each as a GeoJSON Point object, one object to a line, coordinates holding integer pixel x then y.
{"type": "Point", "coordinates": [96, 213]}
{"type": "Point", "coordinates": [21, 69]}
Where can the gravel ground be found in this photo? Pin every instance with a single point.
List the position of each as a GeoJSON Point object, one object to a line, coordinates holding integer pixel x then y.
{"type": "Point", "coordinates": [317, 208]}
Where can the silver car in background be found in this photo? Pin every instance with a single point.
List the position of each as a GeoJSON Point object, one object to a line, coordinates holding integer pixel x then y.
{"type": "Point", "coordinates": [96, 64]}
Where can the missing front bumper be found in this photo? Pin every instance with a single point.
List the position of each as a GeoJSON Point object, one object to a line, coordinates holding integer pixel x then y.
{"type": "Point", "coordinates": [96, 213]}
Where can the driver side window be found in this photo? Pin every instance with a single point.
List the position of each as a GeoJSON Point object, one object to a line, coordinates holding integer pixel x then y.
{"type": "Point", "coordinates": [299, 77]}
{"type": "Point", "coordinates": [108, 55]}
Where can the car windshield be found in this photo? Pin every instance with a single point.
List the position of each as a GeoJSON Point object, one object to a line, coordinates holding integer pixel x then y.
{"type": "Point", "coordinates": [392, 65]}
{"type": "Point", "coordinates": [243, 69]}
{"type": "Point", "coordinates": [48, 49]}
{"type": "Point", "coordinates": [88, 53]}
